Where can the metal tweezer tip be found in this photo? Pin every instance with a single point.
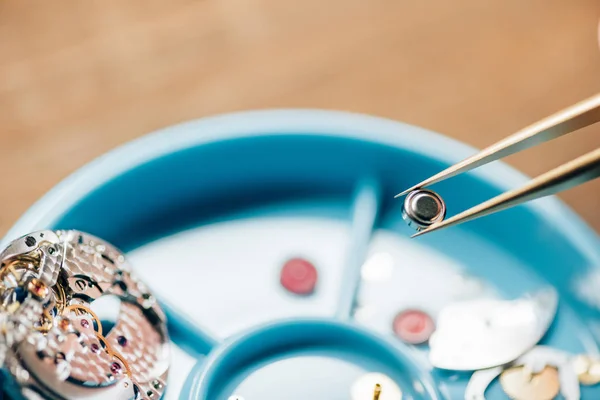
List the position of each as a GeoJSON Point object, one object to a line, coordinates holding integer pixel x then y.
{"type": "Point", "coordinates": [424, 231]}
{"type": "Point", "coordinates": [430, 229]}
{"type": "Point", "coordinates": [407, 191]}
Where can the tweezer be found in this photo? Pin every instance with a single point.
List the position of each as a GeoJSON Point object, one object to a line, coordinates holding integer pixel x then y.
{"type": "Point", "coordinates": [566, 176]}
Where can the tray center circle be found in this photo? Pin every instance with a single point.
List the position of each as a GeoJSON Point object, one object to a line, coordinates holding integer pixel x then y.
{"type": "Point", "coordinates": [309, 358]}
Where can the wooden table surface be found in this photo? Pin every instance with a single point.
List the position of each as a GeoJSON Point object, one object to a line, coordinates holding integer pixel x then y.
{"type": "Point", "coordinates": [79, 78]}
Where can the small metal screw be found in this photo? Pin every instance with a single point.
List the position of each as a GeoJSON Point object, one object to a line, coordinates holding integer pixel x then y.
{"type": "Point", "coordinates": [59, 357]}
{"type": "Point", "coordinates": [81, 285]}
{"type": "Point", "coordinates": [148, 300]}
{"type": "Point", "coordinates": [157, 385]}
{"type": "Point", "coordinates": [30, 241]}
{"type": "Point", "coordinates": [64, 324]}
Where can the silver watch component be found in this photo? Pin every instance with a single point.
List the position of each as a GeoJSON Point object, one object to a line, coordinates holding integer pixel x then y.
{"type": "Point", "coordinates": [479, 382]}
{"type": "Point", "coordinates": [587, 368]}
{"type": "Point", "coordinates": [485, 333]}
{"type": "Point", "coordinates": [61, 339]}
{"type": "Point", "coordinates": [423, 208]}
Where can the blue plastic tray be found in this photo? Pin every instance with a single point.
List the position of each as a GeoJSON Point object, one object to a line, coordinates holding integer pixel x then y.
{"type": "Point", "coordinates": [209, 210]}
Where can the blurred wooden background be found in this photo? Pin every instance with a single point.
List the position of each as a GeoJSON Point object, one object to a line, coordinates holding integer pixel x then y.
{"type": "Point", "coordinates": [79, 78]}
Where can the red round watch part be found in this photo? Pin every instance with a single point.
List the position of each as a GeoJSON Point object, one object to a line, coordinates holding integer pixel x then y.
{"type": "Point", "coordinates": [299, 276]}
{"type": "Point", "coordinates": [413, 326]}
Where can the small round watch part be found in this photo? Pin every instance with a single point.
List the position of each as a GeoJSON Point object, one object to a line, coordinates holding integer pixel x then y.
{"type": "Point", "coordinates": [423, 208]}
{"type": "Point", "coordinates": [51, 283]}
{"type": "Point", "coordinates": [587, 369]}
{"type": "Point", "coordinates": [477, 334]}
{"type": "Point", "coordinates": [520, 384]}
{"type": "Point", "coordinates": [375, 385]}
{"type": "Point", "coordinates": [413, 326]}
{"type": "Point", "coordinates": [299, 276]}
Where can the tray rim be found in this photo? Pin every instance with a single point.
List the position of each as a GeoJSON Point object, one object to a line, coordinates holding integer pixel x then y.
{"type": "Point", "coordinates": [299, 122]}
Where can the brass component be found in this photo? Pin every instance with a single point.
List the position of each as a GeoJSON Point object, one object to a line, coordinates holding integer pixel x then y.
{"type": "Point", "coordinates": [38, 288]}
{"type": "Point", "coordinates": [60, 297]}
{"type": "Point", "coordinates": [45, 323]}
{"type": "Point", "coordinates": [20, 264]}
{"type": "Point", "coordinates": [64, 324]}
{"type": "Point", "coordinates": [375, 386]}
{"type": "Point", "coordinates": [519, 383]}
{"type": "Point", "coordinates": [14, 269]}
{"type": "Point", "coordinates": [85, 309]}
{"type": "Point", "coordinates": [377, 391]}
{"type": "Point", "coordinates": [587, 369]}
{"type": "Point", "coordinates": [114, 353]}
{"type": "Point", "coordinates": [103, 340]}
